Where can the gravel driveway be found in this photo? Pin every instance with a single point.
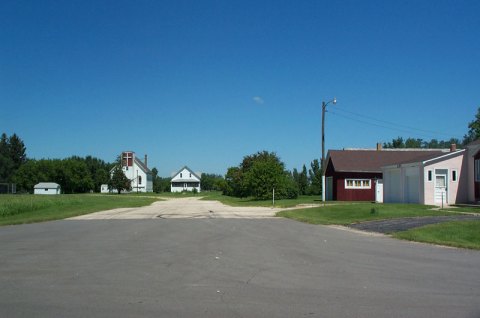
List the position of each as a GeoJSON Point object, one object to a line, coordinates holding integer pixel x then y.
{"type": "Point", "coordinates": [183, 208]}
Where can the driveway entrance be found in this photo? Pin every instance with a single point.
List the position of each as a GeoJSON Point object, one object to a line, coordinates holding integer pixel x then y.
{"type": "Point", "coordinates": [189, 208]}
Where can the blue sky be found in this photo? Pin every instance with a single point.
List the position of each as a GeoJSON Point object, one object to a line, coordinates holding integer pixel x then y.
{"type": "Point", "coordinates": [204, 83]}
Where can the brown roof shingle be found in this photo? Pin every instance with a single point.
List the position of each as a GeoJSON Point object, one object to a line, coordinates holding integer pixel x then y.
{"type": "Point", "coordinates": [374, 160]}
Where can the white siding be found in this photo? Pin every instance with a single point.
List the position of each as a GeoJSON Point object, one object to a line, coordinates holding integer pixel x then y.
{"type": "Point", "coordinates": [392, 187]}
{"type": "Point", "coordinates": [412, 185]}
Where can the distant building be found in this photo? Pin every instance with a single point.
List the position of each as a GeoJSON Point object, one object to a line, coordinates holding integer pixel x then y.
{"type": "Point", "coordinates": [47, 188]}
{"type": "Point", "coordinates": [185, 180]}
{"type": "Point", "coordinates": [136, 171]}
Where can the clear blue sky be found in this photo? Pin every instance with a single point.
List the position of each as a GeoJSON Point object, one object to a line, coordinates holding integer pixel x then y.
{"type": "Point", "coordinates": [204, 83]}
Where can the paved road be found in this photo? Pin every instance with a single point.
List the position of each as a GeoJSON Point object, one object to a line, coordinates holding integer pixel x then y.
{"type": "Point", "coordinates": [403, 224]}
{"type": "Point", "coordinates": [191, 208]}
{"type": "Point", "coordinates": [212, 267]}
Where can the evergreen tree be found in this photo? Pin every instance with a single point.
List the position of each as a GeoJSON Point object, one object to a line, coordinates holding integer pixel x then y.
{"type": "Point", "coordinates": [315, 174]}
{"type": "Point", "coordinates": [17, 151]}
{"type": "Point", "coordinates": [303, 181]}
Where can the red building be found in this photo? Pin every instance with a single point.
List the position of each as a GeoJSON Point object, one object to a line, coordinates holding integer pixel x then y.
{"type": "Point", "coordinates": [356, 175]}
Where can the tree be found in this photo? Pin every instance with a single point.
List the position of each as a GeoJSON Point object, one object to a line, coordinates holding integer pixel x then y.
{"type": "Point", "coordinates": [210, 182]}
{"type": "Point", "coordinates": [78, 178]}
{"type": "Point", "coordinates": [303, 181]}
{"type": "Point", "coordinates": [413, 143]}
{"type": "Point", "coordinates": [234, 185]}
{"type": "Point", "coordinates": [17, 151]}
{"type": "Point", "coordinates": [315, 174]}
{"type": "Point", "coordinates": [473, 129]}
{"type": "Point", "coordinates": [119, 180]}
{"type": "Point", "coordinates": [258, 175]}
{"type": "Point", "coordinates": [12, 156]}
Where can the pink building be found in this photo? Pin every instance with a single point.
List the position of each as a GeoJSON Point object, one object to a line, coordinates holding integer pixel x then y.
{"type": "Point", "coordinates": [449, 178]}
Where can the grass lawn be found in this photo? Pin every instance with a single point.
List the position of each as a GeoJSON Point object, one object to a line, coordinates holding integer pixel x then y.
{"type": "Point", "coordinates": [464, 234]}
{"type": "Point", "coordinates": [470, 209]}
{"type": "Point", "coordinates": [343, 214]}
{"type": "Point", "coordinates": [18, 209]}
{"type": "Point", "coordinates": [232, 201]}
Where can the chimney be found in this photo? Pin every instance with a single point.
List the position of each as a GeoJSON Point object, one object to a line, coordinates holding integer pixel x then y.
{"type": "Point", "coordinates": [379, 146]}
{"type": "Point", "coordinates": [453, 147]}
{"type": "Point", "coordinates": [146, 161]}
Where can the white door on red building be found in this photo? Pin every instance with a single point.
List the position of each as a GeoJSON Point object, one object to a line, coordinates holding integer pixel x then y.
{"type": "Point", "coordinates": [379, 191]}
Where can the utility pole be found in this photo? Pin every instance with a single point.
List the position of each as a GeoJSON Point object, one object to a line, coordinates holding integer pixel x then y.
{"type": "Point", "coordinates": [322, 163]}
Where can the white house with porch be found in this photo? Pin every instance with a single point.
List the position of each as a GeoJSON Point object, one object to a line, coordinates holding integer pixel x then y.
{"type": "Point", "coordinates": [185, 180]}
{"type": "Point", "coordinates": [136, 171]}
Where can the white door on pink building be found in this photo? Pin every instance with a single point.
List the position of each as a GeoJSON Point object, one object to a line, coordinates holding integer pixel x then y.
{"type": "Point", "coordinates": [441, 186]}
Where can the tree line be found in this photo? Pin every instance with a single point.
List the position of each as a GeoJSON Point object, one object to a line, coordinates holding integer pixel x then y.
{"type": "Point", "coordinates": [472, 134]}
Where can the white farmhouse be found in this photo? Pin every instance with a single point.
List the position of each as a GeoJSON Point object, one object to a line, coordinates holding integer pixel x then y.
{"type": "Point", "coordinates": [136, 171]}
{"type": "Point", "coordinates": [46, 188]}
{"type": "Point", "coordinates": [185, 180]}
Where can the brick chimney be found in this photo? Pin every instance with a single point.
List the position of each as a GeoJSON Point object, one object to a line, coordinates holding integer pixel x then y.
{"type": "Point", "coordinates": [379, 146]}
{"type": "Point", "coordinates": [453, 147]}
{"type": "Point", "coordinates": [145, 161]}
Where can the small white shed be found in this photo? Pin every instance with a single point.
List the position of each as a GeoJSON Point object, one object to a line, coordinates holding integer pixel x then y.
{"type": "Point", "coordinates": [46, 188]}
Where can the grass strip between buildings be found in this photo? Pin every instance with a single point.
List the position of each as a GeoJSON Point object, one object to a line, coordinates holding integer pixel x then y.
{"type": "Point", "coordinates": [344, 214]}
{"type": "Point", "coordinates": [464, 234]}
{"type": "Point", "coordinates": [246, 202]}
{"type": "Point", "coordinates": [19, 209]}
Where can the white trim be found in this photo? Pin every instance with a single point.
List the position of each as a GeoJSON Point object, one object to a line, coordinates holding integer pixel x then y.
{"type": "Point", "coordinates": [362, 186]}
{"type": "Point", "coordinates": [443, 156]}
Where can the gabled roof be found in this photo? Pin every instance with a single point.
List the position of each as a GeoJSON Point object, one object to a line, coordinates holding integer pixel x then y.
{"type": "Point", "coordinates": [142, 165]}
{"type": "Point", "coordinates": [46, 185]}
{"type": "Point", "coordinates": [374, 160]}
{"type": "Point", "coordinates": [185, 179]}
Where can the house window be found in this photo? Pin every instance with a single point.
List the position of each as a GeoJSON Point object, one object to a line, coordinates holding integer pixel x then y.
{"type": "Point", "coordinates": [190, 175]}
{"type": "Point", "coordinates": [139, 179]}
{"type": "Point", "coordinates": [357, 184]}
{"type": "Point", "coordinates": [454, 175]}
{"type": "Point", "coordinates": [477, 170]}
{"type": "Point", "coordinates": [180, 174]}
{"type": "Point", "coordinates": [429, 176]}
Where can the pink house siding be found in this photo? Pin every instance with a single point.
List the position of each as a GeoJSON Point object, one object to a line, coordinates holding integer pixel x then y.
{"type": "Point", "coordinates": [457, 191]}
{"type": "Point", "coordinates": [421, 182]}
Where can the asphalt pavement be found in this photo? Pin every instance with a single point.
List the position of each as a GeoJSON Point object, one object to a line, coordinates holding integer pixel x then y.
{"type": "Point", "coordinates": [216, 267]}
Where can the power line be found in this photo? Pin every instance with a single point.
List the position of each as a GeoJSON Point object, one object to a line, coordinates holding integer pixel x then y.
{"type": "Point", "coordinates": [386, 127]}
{"type": "Point", "coordinates": [410, 128]}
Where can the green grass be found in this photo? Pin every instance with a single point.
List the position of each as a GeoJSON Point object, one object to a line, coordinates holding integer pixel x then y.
{"type": "Point", "coordinates": [464, 234]}
{"type": "Point", "coordinates": [232, 201]}
{"type": "Point", "coordinates": [343, 214]}
{"type": "Point", "coordinates": [469, 209]}
{"type": "Point", "coordinates": [18, 209]}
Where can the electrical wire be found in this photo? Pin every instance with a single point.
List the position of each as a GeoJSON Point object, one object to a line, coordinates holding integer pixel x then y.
{"type": "Point", "coordinates": [410, 130]}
